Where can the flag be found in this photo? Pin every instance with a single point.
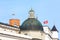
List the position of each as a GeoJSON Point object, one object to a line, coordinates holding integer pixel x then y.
{"type": "Point", "coordinates": [45, 22]}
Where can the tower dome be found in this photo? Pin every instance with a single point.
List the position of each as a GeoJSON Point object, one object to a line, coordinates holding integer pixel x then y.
{"type": "Point", "coordinates": [31, 23]}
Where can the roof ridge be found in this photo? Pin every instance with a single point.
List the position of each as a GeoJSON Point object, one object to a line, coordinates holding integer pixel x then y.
{"type": "Point", "coordinates": [54, 28]}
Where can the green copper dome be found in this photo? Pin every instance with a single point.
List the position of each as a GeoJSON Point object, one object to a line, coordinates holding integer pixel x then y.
{"type": "Point", "coordinates": [31, 24]}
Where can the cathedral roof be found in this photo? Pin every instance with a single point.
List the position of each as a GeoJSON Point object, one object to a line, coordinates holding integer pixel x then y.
{"type": "Point", "coordinates": [31, 24]}
{"type": "Point", "coordinates": [54, 28]}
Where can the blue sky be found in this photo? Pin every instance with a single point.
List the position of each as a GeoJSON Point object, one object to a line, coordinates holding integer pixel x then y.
{"type": "Point", "coordinates": [44, 9]}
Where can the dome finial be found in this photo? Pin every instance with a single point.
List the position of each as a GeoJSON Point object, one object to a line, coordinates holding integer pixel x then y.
{"type": "Point", "coordinates": [31, 13]}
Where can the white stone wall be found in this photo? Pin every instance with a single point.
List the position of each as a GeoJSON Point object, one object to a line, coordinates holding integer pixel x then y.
{"type": "Point", "coordinates": [55, 39]}
{"type": "Point", "coordinates": [9, 29]}
{"type": "Point", "coordinates": [54, 34]}
{"type": "Point", "coordinates": [38, 34]}
{"type": "Point", "coordinates": [47, 30]}
{"type": "Point", "coordinates": [33, 34]}
{"type": "Point", "coordinates": [12, 36]}
{"type": "Point", "coordinates": [47, 37]}
{"type": "Point", "coordinates": [5, 37]}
